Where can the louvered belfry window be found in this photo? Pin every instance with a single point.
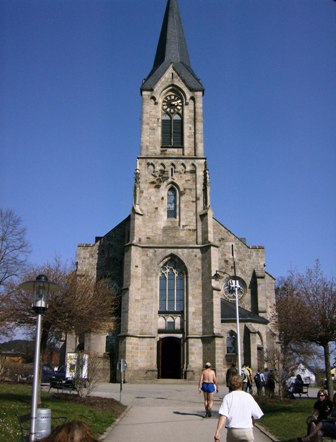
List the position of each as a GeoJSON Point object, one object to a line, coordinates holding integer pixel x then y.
{"type": "Point", "coordinates": [172, 133]}
{"type": "Point", "coordinates": [166, 130]}
{"type": "Point", "coordinates": [177, 130]}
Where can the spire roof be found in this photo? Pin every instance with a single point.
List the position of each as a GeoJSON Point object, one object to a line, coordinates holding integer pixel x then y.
{"type": "Point", "coordinates": [172, 49]}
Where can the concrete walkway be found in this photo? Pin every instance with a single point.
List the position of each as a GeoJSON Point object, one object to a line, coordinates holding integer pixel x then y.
{"type": "Point", "coordinates": [163, 412]}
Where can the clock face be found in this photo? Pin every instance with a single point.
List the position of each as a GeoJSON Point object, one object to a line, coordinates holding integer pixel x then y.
{"type": "Point", "coordinates": [230, 287]}
{"type": "Point", "coordinates": [172, 103]}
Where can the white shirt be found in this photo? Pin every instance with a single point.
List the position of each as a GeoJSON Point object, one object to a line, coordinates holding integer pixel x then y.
{"type": "Point", "coordinates": [239, 408]}
{"type": "Point", "coordinates": [246, 373]}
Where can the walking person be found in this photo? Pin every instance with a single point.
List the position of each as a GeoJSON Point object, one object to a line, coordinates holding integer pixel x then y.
{"type": "Point", "coordinates": [231, 371]}
{"type": "Point", "coordinates": [250, 378]}
{"type": "Point", "coordinates": [237, 413]}
{"type": "Point", "coordinates": [266, 374]}
{"type": "Point", "coordinates": [245, 376]}
{"type": "Point", "coordinates": [208, 384]}
{"type": "Point", "coordinates": [258, 380]}
{"type": "Point", "coordinates": [271, 384]}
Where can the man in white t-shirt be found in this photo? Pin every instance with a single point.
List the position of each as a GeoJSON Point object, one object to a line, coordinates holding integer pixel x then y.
{"type": "Point", "coordinates": [238, 412]}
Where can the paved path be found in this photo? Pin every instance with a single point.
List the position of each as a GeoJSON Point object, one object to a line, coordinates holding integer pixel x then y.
{"type": "Point", "coordinates": [165, 412]}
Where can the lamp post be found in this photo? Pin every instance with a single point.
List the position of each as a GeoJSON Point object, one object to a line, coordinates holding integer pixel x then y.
{"type": "Point", "coordinates": [41, 288]}
{"type": "Point", "coordinates": [233, 288]}
{"type": "Point", "coordinates": [236, 289]}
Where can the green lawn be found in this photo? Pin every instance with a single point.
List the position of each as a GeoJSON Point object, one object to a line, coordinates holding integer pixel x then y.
{"type": "Point", "coordinates": [15, 400]}
{"type": "Point", "coordinates": [286, 419]}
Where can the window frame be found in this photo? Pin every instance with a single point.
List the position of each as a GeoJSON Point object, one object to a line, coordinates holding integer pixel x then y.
{"type": "Point", "coordinates": [172, 213]}
{"type": "Point", "coordinates": [172, 284]}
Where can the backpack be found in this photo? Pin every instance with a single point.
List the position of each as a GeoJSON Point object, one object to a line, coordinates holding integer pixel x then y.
{"type": "Point", "coordinates": [257, 379]}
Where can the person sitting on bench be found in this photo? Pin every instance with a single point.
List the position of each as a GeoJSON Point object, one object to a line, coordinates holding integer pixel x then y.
{"type": "Point", "coordinates": [325, 427]}
{"type": "Point", "coordinates": [295, 386]}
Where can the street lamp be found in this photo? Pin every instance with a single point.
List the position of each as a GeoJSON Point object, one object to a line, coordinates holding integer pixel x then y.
{"type": "Point", "coordinates": [233, 288]}
{"type": "Point", "coordinates": [41, 288]}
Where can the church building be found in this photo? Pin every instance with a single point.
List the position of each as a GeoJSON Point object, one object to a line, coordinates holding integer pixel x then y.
{"type": "Point", "coordinates": [177, 269]}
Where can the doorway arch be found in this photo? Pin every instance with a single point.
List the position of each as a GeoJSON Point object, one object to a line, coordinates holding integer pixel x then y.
{"type": "Point", "coordinates": [169, 358]}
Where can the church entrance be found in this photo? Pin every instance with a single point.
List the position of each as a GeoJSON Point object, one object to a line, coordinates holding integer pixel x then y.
{"type": "Point", "coordinates": [169, 358]}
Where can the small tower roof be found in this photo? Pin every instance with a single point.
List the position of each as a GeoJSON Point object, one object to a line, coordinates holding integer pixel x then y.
{"type": "Point", "coordinates": [172, 49]}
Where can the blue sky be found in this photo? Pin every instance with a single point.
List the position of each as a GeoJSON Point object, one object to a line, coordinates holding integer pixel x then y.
{"type": "Point", "coordinates": [70, 110]}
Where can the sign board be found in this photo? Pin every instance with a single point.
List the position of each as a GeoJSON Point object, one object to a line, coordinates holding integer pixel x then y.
{"type": "Point", "coordinates": [77, 365]}
{"type": "Point", "coordinates": [122, 365]}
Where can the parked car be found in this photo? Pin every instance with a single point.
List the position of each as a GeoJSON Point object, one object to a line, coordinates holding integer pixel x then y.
{"type": "Point", "coordinates": [49, 373]}
{"type": "Point", "coordinates": [60, 373]}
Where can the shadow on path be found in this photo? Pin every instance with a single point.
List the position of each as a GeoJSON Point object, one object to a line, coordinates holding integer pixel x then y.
{"type": "Point", "coordinates": [188, 414]}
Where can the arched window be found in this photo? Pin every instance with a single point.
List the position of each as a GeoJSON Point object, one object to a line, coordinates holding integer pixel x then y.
{"type": "Point", "coordinates": [171, 287]}
{"type": "Point", "coordinates": [231, 342]}
{"type": "Point", "coordinates": [172, 202]}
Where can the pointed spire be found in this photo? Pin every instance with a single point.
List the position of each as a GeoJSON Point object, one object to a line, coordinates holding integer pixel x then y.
{"type": "Point", "coordinates": [172, 44]}
{"type": "Point", "coordinates": [172, 49]}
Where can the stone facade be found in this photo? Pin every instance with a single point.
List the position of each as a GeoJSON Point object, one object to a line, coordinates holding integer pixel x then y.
{"type": "Point", "coordinates": [162, 258]}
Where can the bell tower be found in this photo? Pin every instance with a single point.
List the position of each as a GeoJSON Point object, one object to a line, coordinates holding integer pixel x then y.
{"type": "Point", "coordinates": [171, 226]}
{"type": "Point", "coordinates": [172, 96]}
{"type": "Point", "coordinates": [171, 185]}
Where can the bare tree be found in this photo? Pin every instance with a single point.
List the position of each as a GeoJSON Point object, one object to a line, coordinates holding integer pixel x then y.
{"type": "Point", "coordinates": [14, 248]}
{"type": "Point", "coordinates": [320, 296]}
{"type": "Point", "coordinates": [306, 308]}
{"type": "Point", "coordinates": [290, 315]}
{"type": "Point", "coordinates": [81, 305]}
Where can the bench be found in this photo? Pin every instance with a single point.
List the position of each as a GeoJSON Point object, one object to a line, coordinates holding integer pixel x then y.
{"type": "Point", "coordinates": [60, 384]}
{"type": "Point", "coordinates": [301, 390]}
{"type": "Point", "coordinates": [25, 423]}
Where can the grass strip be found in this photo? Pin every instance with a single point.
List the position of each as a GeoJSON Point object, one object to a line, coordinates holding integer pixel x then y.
{"type": "Point", "coordinates": [15, 400]}
{"type": "Point", "coordinates": [286, 419]}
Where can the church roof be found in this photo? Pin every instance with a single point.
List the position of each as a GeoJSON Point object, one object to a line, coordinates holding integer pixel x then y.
{"type": "Point", "coordinates": [172, 49]}
{"type": "Point", "coordinates": [228, 314]}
